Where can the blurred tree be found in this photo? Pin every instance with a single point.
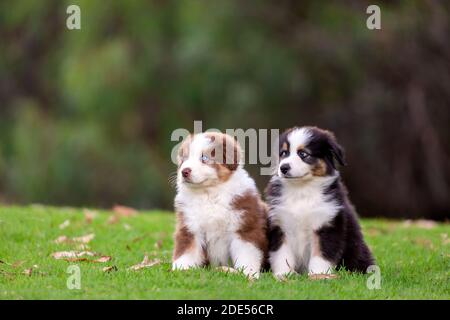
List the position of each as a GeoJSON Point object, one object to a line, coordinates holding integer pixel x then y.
{"type": "Point", "coordinates": [86, 116]}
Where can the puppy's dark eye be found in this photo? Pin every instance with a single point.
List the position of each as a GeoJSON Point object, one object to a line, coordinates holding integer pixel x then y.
{"type": "Point", "coordinates": [303, 154]}
{"type": "Point", "coordinates": [284, 153]}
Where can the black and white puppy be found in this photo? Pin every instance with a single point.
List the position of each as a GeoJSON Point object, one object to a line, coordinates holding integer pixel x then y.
{"type": "Point", "coordinates": [313, 226]}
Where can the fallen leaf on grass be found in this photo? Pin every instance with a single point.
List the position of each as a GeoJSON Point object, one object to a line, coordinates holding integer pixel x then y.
{"type": "Point", "coordinates": [124, 211]}
{"type": "Point", "coordinates": [121, 211]}
{"type": "Point", "coordinates": [322, 276]}
{"type": "Point", "coordinates": [103, 259]}
{"type": "Point", "coordinates": [28, 272]}
{"type": "Point", "coordinates": [78, 256]}
{"type": "Point", "coordinates": [113, 219]}
{"type": "Point", "coordinates": [146, 263]}
{"type": "Point", "coordinates": [89, 215]}
{"type": "Point", "coordinates": [421, 223]}
{"type": "Point", "coordinates": [109, 269]}
{"type": "Point", "coordinates": [73, 254]}
{"type": "Point", "coordinates": [64, 225]}
{"type": "Point", "coordinates": [75, 259]}
{"type": "Point", "coordinates": [83, 239]}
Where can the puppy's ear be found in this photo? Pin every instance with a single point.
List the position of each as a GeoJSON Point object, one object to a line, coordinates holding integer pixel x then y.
{"type": "Point", "coordinates": [336, 151]}
{"type": "Point", "coordinates": [232, 152]}
{"type": "Point", "coordinates": [183, 150]}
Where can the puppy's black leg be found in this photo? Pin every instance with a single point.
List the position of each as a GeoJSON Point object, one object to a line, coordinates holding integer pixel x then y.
{"type": "Point", "coordinates": [327, 247]}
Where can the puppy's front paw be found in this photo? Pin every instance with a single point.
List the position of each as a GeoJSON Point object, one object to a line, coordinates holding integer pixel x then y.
{"type": "Point", "coordinates": [318, 265]}
{"type": "Point", "coordinates": [182, 265]}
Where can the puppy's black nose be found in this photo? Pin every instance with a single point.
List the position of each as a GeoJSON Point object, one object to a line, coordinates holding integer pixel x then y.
{"type": "Point", "coordinates": [186, 172]}
{"type": "Point", "coordinates": [285, 168]}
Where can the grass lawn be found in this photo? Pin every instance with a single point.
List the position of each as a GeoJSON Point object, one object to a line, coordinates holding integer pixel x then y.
{"type": "Point", "coordinates": [414, 260]}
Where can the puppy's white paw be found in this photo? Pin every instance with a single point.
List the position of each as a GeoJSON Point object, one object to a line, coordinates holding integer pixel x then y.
{"type": "Point", "coordinates": [183, 264]}
{"type": "Point", "coordinates": [319, 265]}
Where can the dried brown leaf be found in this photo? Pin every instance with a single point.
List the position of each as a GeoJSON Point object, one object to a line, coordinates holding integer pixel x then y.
{"type": "Point", "coordinates": [109, 269]}
{"type": "Point", "coordinates": [73, 254]}
{"type": "Point", "coordinates": [146, 263]}
{"type": "Point", "coordinates": [323, 276]}
{"type": "Point", "coordinates": [125, 211]}
{"type": "Point", "coordinates": [115, 218]}
{"type": "Point", "coordinates": [421, 223]}
{"type": "Point", "coordinates": [76, 259]}
{"type": "Point", "coordinates": [89, 215]}
{"type": "Point", "coordinates": [83, 239]}
{"type": "Point", "coordinates": [103, 259]}
{"type": "Point", "coordinates": [28, 272]}
{"type": "Point", "coordinates": [77, 256]}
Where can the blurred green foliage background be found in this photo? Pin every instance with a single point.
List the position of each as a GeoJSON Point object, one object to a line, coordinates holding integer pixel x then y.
{"type": "Point", "coordinates": [86, 115]}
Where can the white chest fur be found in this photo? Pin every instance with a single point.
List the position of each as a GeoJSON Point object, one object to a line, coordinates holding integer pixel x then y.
{"type": "Point", "coordinates": [303, 209]}
{"type": "Point", "coordinates": [210, 216]}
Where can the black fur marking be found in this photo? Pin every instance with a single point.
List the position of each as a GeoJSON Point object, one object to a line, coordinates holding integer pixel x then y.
{"type": "Point", "coordinates": [276, 237]}
{"type": "Point", "coordinates": [274, 234]}
{"type": "Point", "coordinates": [273, 192]}
{"type": "Point", "coordinates": [323, 145]}
{"type": "Point", "coordinates": [284, 139]}
{"type": "Point", "coordinates": [342, 242]}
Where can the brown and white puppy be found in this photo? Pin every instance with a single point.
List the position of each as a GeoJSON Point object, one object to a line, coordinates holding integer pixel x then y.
{"type": "Point", "coordinates": [221, 219]}
{"type": "Point", "coordinates": [313, 226]}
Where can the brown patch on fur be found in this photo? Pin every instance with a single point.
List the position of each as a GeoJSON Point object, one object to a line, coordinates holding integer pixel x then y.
{"type": "Point", "coordinates": [227, 153]}
{"type": "Point", "coordinates": [319, 169]}
{"type": "Point", "coordinates": [183, 151]}
{"type": "Point", "coordinates": [222, 172]}
{"type": "Point", "coordinates": [285, 147]}
{"type": "Point", "coordinates": [184, 239]}
{"type": "Point", "coordinates": [254, 220]}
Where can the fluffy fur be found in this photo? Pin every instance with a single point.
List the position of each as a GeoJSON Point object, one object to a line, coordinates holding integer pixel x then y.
{"type": "Point", "coordinates": [313, 226]}
{"type": "Point", "coordinates": [221, 219]}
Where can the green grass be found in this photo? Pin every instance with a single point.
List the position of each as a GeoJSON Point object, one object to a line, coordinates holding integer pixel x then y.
{"type": "Point", "coordinates": [414, 262]}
